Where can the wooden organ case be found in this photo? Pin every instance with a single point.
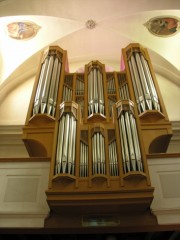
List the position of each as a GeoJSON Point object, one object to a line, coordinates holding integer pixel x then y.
{"type": "Point", "coordinates": [97, 128]}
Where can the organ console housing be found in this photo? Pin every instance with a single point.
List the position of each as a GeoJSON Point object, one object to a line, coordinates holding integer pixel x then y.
{"type": "Point", "coordinates": [97, 128]}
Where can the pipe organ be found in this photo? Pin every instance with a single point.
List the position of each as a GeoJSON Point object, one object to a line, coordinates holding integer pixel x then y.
{"type": "Point", "coordinates": [97, 128]}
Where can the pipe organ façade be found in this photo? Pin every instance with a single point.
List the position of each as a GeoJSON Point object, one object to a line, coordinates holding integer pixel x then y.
{"type": "Point", "coordinates": [97, 128]}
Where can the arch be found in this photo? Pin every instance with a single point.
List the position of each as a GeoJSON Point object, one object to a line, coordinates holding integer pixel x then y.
{"type": "Point", "coordinates": [35, 148]}
{"type": "Point", "coordinates": [160, 144]}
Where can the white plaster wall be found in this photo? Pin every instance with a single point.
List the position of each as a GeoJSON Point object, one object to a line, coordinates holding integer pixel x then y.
{"type": "Point", "coordinates": [14, 107]}
{"type": "Point", "coordinates": [171, 95]}
{"type": "Point", "coordinates": [165, 177]}
{"type": "Point", "coordinates": [23, 200]}
{"type": "Point", "coordinates": [22, 196]}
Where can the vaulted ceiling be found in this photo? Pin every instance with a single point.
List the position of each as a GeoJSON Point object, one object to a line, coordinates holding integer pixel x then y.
{"type": "Point", "coordinates": [63, 23]}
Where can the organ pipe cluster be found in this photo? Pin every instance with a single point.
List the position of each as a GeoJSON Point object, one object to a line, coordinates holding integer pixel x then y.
{"type": "Point", "coordinates": [79, 91]}
{"type": "Point", "coordinates": [98, 153]}
{"type": "Point", "coordinates": [95, 92]}
{"type": "Point", "coordinates": [123, 87]}
{"type": "Point", "coordinates": [130, 147]}
{"type": "Point", "coordinates": [111, 87]}
{"type": "Point", "coordinates": [144, 89]}
{"type": "Point", "coordinates": [113, 161]}
{"type": "Point", "coordinates": [83, 159]}
{"type": "Point", "coordinates": [66, 143]}
{"type": "Point", "coordinates": [48, 84]}
{"type": "Point", "coordinates": [80, 85]}
{"type": "Point", "coordinates": [67, 89]}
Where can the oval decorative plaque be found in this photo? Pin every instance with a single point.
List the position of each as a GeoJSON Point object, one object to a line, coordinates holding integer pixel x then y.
{"type": "Point", "coordinates": [22, 30]}
{"type": "Point", "coordinates": [163, 26]}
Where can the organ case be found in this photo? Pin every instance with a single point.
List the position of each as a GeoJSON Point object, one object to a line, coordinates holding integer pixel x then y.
{"type": "Point", "coordinates": [93, 125]}
{"type": "Point", "coordinates": [154, 123]}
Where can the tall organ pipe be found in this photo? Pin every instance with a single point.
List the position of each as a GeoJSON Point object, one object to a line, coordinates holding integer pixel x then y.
{"type": "Point", "coordinates": [47, 89]}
